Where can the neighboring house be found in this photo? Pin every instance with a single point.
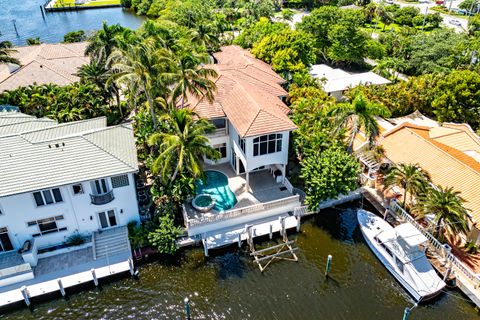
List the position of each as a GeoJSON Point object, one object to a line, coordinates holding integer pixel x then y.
{"type": "Point", "coordinates": [253, 126]}
{"type": "Point", "coordinates": [43, 64]}
{"type": "Point", "coordinates": [449, 152]}
{"type": "Point", "coordinates": [61, 179]}
{"type": "Point", "coordinates": [337, 81]}
{"type": "Point", "coordinates": [252, 135]}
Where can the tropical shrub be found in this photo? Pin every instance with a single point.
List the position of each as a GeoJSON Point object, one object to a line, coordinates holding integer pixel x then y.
{"type": "Point", "coordinates": [75, 239]}
{"type": "Point", "coordinates": [328, 174]}
{"type": "Point", "coordinates": [74, 36]}
{"type": "Point", "coordinates": [164, 236]}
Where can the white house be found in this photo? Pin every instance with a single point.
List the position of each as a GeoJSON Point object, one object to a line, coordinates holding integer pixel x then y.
{"type": "Point", "coordinates": [253, 132]}
{"type": "Point", "coordinates": [61, 179]}
{"type": "Point", "coordinates": [253, 126]}
{"type": "Point", "coordinates": [336, 81]}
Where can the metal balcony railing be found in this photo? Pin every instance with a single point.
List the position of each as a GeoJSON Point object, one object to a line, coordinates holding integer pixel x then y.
{"type": "Point", "coordinates": [99, 199]}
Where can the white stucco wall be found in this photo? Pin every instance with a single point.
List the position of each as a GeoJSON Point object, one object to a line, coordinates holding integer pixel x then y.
{"type": "Point", "coordinates": [254, 162]}
{"type": "Point", "coordinates": [78, 212]}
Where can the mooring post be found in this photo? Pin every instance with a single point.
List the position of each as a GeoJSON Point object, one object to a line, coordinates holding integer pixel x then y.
{"type": "Point", "coordinates": [270, 234]}
{"type": "Point", "coordinates": [299, 222]}
{"type": "Point", "coordinates": [130, 265]}
{"type": "Point", "coordinates": [25, 295]}
{"type": "Point", "coordinates": [187, 308]}
{"type": "Point", "coordinates": [60, 286]}
{"type": "Point", "coordinates": [329, 265]}
{"type": "Point", "coordinates": [239, 240]}
{"type": "Point", "coordinates": [406, 313]}
{"type": "Point", "coordinates": [447, 274]}
{"type": "Point", "coordinates": [94, 275]}
{"type": "Point", "coordinates": [15, 26]}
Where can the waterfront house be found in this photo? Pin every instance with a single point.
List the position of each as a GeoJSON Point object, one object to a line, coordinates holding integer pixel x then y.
{"type": "Point", "coordinates": [336, 81]}
{"type": "Point", "coordinates": [59, 180]}
{"type": "Point", "coordinates": [252, 134]}
{"type": "Point", "coordinates": [449, 152]}
{"type": "Point", "coordinates": [44, 64]}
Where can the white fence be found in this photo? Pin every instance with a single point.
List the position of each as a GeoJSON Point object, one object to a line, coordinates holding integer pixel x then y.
{"type": "Point", "coordinates": [242, 211]}
{"type": "Point", "coordinates": [439, 247]}
{"type": "Point", "coordinates": [288, 185]}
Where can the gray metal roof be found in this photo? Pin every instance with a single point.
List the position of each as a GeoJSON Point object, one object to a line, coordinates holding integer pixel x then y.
{"type": "Point", "coordinates": [64, 154]}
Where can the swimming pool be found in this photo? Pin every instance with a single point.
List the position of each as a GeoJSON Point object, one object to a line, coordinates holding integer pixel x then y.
{"type": "Point", "coordinates": [216, 185]}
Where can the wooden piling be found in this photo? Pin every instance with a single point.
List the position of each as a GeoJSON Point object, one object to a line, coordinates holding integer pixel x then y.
{"type": "Point", "coordinates": [299, 223]}
{"type": "Point", "coordinates": [187, 308]}
{"type": "Point", "coordinates": [329, 265]}
{"type": "Point", "coordinates": [94, 275]}
{"type": "Point", "coordinates": [25, 295]}
{"type": "Point", "coordinates": [60, 286]}
{"type": "Point", "coordinates": [239, 240]}
{"type": "Point", "coordinates": [270, 233]}
{"type": "Point", "coordinates": [130, 265]}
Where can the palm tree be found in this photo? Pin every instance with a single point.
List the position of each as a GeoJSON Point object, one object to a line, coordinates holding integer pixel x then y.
{"type": "Point", "coordinates": [104, 41]}
{"type": "Point", "coordinates": [94, 72]}
{"type": "Point", "coordinates": [358, 116]}
{"type": "Point", "coordinates": [413, 179]}
{"type": "Point", "coordinates": [448, 208]}
{"type": "Point", "coordinates": [183, 145]}
{"type": "Point", "coordinates": [97, 73]}
{"type": "Point", "coordinates": [191, 78]}
{"type": "Point", "coordinates": [145, 67]}
{"type": "Point", "coordinates": [6, 52]}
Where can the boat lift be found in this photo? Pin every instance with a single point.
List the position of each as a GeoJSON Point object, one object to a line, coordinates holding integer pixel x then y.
{"type": "Point", "coordinates": [264, 257]}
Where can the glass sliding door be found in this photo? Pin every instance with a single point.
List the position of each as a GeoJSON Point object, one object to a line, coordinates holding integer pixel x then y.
{"type": "Point", "coordinates": [107, 219]}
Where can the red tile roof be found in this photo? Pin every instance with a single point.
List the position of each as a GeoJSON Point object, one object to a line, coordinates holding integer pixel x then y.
{"type": "Point", "coordinates": [248, 94]}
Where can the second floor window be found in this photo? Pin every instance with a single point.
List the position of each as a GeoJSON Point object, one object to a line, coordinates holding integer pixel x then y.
{"type": "Point", "coordinates": [100, 186]}
{"type": "Point", "coordinates": [49, 196]}
{"type": "Point", "coordinates": [241, 143]}
{"type": "Point", "coordinates": [267, 144]}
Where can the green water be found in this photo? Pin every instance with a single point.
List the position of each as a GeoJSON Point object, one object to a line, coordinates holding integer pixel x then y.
{"type": "Point", "coordinates": [228, 285]}
{"type": "Point", "coordinates": [216, 185]}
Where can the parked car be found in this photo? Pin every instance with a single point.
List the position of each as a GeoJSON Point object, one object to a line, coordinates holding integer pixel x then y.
{"type": "Point", "coordinates": [455, 22]}
{"type": "Point", "coordinates": [423, 1]}
{"type": "Point", "coordinates": [439, 2]}
{"type": "Point", "coordinates": [389, 1]}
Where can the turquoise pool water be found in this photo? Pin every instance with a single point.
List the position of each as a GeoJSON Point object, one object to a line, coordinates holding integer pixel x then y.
{"type": "Point", "coordinates": [216, 185]}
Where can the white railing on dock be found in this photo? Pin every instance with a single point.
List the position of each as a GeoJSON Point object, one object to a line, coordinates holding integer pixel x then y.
{"type": "Point", "coordinates": [288, 185]}
{"type": "Point", "coordinates": [243, 211]}
{"type": "Point", "coordinates": [300, 211]}
{"type": "Point", "coordinates": [439, 247]}
{"type": "Point", "coordinates": [10, 271]}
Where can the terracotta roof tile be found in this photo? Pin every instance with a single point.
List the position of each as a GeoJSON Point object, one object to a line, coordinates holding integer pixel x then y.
{"type": "Point", "coordinates": [447, 166]}
{"type": "Point", "coordinates": [45, 63]}
{"type": "Point", "coordinates": [250, 100]}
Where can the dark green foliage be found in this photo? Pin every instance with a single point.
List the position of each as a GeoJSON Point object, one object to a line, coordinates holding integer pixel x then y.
{"type": "Point", "coordinates": [68, 103]}
{"type": "Point", "coordinates": [75, 239]}
{"type": "Point", "coordinates": [288, 52]}
{"type": "Point", "coordinates": [337, 33]}
{"type": "Point", "coordinates": [450, 97]}
{"type": "Point", "coordinates": [257, 31]}
{"type": "Point", "coordinates": [164, 235]}
{"type": "Point", "coordinates": [328, 174]}
{"type": "Point", "coordinates": [33, 41]}
{"type": "Point", "coordinates": [74, 36]}
{"type": "Point", "coordinates": [405, 16]}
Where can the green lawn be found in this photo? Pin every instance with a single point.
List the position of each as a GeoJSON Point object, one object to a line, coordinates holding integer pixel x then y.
{"type": "Point", "coordinates": [91, 3]}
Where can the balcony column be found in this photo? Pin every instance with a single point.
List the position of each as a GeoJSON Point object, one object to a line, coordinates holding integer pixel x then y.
{"type": "Point", "coordinates": [284, 169]}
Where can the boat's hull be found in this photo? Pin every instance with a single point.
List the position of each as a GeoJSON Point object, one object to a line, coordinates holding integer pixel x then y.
{"type": "Point", "coordinates": [368, 236]}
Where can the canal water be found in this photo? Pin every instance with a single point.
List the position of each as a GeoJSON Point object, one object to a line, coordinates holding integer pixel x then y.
{"type": "Point", "coordinates": [30, 23]}
{"type": "Point", "coordinates": [230, 286]}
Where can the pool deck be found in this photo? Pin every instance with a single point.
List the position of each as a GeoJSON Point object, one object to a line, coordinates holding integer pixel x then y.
{"type": "Point", "coordinates": [263, 188]}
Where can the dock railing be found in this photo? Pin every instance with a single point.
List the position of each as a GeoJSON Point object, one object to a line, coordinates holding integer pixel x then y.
{"type": "Point", "coordinates": [288, 185]}
{"type": "Point", "coordinates": [458, 265]}
{"type": "Point", "coordinates": [235, 213]}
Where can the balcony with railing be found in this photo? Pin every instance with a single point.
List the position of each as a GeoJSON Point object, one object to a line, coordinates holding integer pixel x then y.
{"type": "Point", "coordinates": [220, 132]}
{"type": "Point", "coordinates": [99, 199]}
